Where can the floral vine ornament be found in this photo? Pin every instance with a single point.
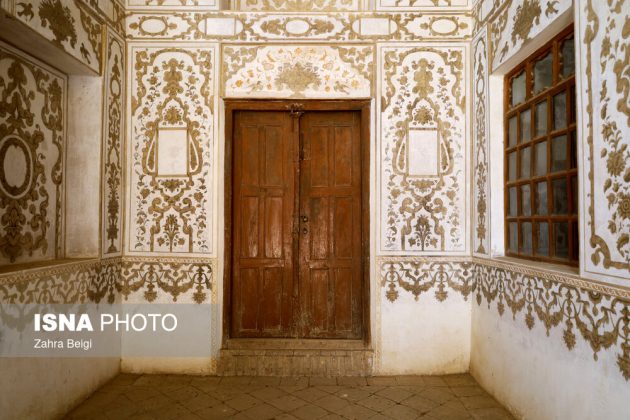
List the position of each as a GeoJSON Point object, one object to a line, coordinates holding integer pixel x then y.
{"type": "Point", "coordinates": [527, 16]}
{"type": "Point", "coordinates": [297, 77]}
{"type": "Point", "coordinates": [60, 21]}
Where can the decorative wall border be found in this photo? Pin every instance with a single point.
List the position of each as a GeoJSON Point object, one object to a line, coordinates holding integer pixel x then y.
{"type": "Point", "coordinates": [306, 27]}
{"type": "Point", "coordinates": [603, 321]}
{"type": "Point", "coordinates": [418, 275]}
{"type": "Point", "coordinates": [80, 281]}
{"type": "Point", "coordinates": [601, 314]}
{"type": "Point", "coordinates": [158, 279]}
{"type": "Point", "coordinates": [144, 279]}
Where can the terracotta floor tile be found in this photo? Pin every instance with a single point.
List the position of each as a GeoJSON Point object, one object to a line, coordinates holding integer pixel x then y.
{"type": "Point", "coordinates": [164, 397]}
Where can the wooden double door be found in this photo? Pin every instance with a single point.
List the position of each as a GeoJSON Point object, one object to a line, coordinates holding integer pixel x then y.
{"type": "Point", "coordinates": [297, 225]}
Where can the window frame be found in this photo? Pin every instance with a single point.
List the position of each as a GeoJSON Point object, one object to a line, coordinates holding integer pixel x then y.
{"type": "Point", "coordinates": [570, 173]}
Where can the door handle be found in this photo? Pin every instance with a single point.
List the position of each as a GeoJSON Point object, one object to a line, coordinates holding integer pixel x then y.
{"type": "Point", "coordinates": [305, 219]}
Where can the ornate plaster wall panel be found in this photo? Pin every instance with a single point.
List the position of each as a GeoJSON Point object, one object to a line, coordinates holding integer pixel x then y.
{"type": "Point", "coordinates": [166, 280]}
{"type": "Point", "coordinates": [481, 148]}
{"type": "Point", "coordinates": [421, 4]}
{"type": "Point", "coordinates": [417, 276]}
{"type": "Point", "coordinates": [171, 141]}
{"type": "Point", "coordinates": [68, 24]}
{"type": "Point", "coordinates": [603, 321]}
{"type": "Point", "coordinates": [301, 71]}
{"type": "Point", "coordinates": [274, 27]}
{"type": "Point", "coordinates": [603, 31]}
{"type": "Point", "coordinates": [520, 21]}
{"type": "Point", "coordinates": [296, 5]}
{"type": "Point", "coordinates": [113, 152]}
{"type": "Point", "coordinates": [32, 151]}
{"type": "Point", "coordinates": [422, 163]}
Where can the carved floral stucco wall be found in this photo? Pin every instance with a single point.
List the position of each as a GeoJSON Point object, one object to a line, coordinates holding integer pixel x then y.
{"type": "Point", "coordinates": [32, 158]}
{"type": "Point", "coordinates": [423, 155]}
{"type": "Point", "coordinates": [604, 113]}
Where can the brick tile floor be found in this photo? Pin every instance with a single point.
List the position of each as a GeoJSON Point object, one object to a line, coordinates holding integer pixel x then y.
{"type": "Point", "coordinates": [260, 398]}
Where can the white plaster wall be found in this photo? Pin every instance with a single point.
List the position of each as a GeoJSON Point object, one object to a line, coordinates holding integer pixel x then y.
{"type": "Point", "coordinates": [425, 337]}
{"type": "Point", "coordinates": [536, 377]}
{"type": "Point", "coordinates": [83, 169]}
{"type": "Point", "coordinates": [37, 388]}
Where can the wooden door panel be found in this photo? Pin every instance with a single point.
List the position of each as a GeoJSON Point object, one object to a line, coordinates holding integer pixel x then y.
{"type": "Point", "coordinates": [263, 203]}
{"type": "Point", "coordinates": [330, 235]}
{"type": "Point", "coordinates": [297, 225]}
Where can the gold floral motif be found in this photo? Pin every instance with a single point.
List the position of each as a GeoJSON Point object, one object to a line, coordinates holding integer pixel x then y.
{"type": "Point", "coordinates": [112, 148]}
{"type": "Point", "coordinates": [174, 277]}
{"type": "Point", "coordinates": [527, 15]}
{"type": "Point", "coordinates": [93, 31]}
{"type": "Point", "coordinates": [59, 19]}
{"type": "Point", "coordinates": [419, 276]}
{"type": "Point", "coordinates": [298, 71]}
{"type": "Point", "coordinates": [32, 104]}
{"type": "Point", "coordinates": [480, 150]}
{"type": "Point", "coordinates": [297, 77]}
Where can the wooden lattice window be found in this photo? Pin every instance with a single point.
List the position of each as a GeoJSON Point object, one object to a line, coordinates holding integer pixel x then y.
{"type": "Point", "coordinates": [541, 186]}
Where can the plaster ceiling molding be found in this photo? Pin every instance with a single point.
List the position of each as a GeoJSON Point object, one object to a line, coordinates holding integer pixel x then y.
{"type": "Point", "coordinates": [168, 280]}
{"type": "Point", "coordinates": [481, 147]}
{"type": "Point", "coordinates": [113, 152]}
{"type": "Point", "coordinates": [68, 24]}
{"type": "Point", "coordinates": [602, 321]}
{"type": "Point", "coordinates": [297, 5]}
{"type": "Point", "coordinates": [422, 5]}
{"type": "Point", "coordinates": [31, 158]}
{"type": "Point", "coordinates": [603, 89]}
{"type": "Point", "coordinates": [423, 275]}
{"type": "Point", "coordinates": [172, 108]}
{"type": "Point", "coordinates": [298, 71]}
{"type": "Point", "coordinates": [422, 163]}
{"type": "Point", "coordinates": [519, 22]}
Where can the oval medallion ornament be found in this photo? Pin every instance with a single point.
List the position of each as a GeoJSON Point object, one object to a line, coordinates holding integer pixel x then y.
{"type": "Point", "coordinates": [444, 26]}
{"type": "Point", "coordinates": [15, 167]}
{"type": "Point", "coordinates": [297, 26]}
{"type": "Point", "coordinates": [154, 26]}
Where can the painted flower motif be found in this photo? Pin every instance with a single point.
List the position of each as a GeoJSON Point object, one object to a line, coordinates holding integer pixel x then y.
{"type": "Point", "coordinates": [172, 115]}
{"type": "Point", "coordinates": [615, 163]}
{"type": "Point", "coordinates": [624, 206]}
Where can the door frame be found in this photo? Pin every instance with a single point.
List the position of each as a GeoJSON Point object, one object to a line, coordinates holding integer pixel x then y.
{"type": "Point", "coordinates": [297, 105]}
